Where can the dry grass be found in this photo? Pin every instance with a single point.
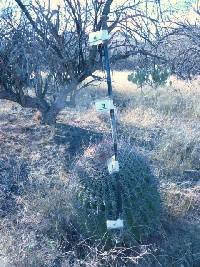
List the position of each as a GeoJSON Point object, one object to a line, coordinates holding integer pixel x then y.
{"type": "Point", "coordinates": [164, 123]}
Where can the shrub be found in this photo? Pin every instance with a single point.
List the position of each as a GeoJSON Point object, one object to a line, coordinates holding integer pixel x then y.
{"type": "Point", "coordinates": [96, 193]}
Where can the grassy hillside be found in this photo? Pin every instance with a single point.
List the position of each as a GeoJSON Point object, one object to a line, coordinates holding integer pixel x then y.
{"type": "Point", "coordinates": [39, 210]}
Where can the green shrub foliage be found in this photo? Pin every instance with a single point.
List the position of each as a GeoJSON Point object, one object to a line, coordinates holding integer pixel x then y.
{"type": "Point", "coordinates": [97, 200]}
{"type": "Point", "coordinates": [156, 76]}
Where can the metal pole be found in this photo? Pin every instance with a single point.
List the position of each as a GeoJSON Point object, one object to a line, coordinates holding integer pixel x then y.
{"type": "Point", "coordinates": [113, 119]}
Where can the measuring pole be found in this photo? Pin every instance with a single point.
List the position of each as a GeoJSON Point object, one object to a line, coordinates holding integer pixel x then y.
{"type": "Point", "coordinates": [113, 120]}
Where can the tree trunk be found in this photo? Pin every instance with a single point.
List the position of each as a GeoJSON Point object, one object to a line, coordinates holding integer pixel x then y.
{"type": "Point", "coordinates": [49, 112]}
{"type": "Point", "coordinates": [49, 117]}
{"type": "Point", "coordinates": [25, 100]}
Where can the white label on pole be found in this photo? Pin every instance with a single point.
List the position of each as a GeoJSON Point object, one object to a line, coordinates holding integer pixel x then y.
{"type": "Point", "coordinates": [115, 224]}
{"type": "Point", "coordinates": [104, 105]}
{"type": "Point", "coordinates": [68, 98]}
{"type": "Point", "coordinates": [96, 38]}
{"type": "Point", "coordinates": [113, 165]}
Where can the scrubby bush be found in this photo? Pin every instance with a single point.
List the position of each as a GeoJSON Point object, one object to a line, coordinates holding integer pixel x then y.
{"type": "Point", "coordinates": [96, 193]}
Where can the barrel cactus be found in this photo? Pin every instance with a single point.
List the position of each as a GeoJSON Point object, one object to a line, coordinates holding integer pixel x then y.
{"type": "Point", "coordinates": [96, 193]}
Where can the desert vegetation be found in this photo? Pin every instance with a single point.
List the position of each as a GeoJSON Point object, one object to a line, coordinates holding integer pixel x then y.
{"type": "Point", "coordinates": [55, 190]}
{"type": "Point", "coordinates": [49, 173]}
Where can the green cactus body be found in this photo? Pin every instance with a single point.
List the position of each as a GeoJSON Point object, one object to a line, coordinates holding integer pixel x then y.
{"type": "Point", "coordinates": [138, 77]}
{"type": "Point", "coordinates": [156, 76]}
{"type": "Point", "coordinates": [98, 201]}
{"type": "Point", "coordinates": [160, 76]}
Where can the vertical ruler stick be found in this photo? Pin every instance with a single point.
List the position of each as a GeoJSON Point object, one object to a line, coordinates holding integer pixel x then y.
{"type": "Point", "coordinates": [113, 120]}
{"type": "Point", "coordinates": [110, 91]}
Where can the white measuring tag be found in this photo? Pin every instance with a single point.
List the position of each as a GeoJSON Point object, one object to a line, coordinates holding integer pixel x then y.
{"type": "Point", "coordinates": [68, 98]}
{"type": "Point", "coordinates": [104, 105]}
{"type": "Point", "coordinates": [113, 165]}
{"type": "Point", "coordinates": [96, 38]}
{"type": "Point", "coordinates": [115, 224]}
